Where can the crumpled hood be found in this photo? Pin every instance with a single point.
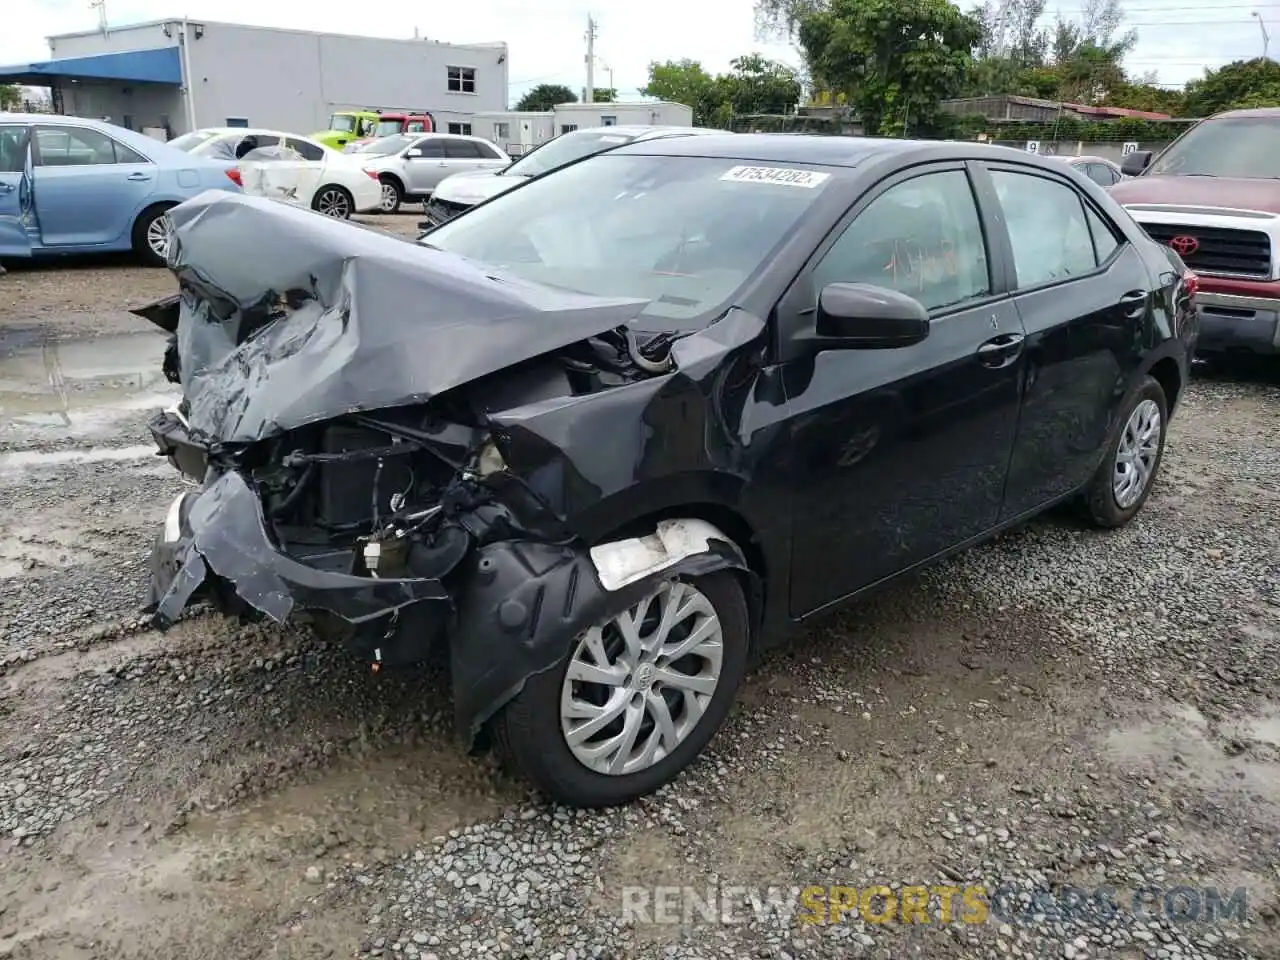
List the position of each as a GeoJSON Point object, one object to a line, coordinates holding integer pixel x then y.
{"type": "Point", "coordinates": [475, 187]}
{"type": "Point", "coordinates": [287, 318]}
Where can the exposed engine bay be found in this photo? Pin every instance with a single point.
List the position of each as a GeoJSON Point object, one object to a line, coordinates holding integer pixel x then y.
{"type": "Point", "coordinates": [400, 443]}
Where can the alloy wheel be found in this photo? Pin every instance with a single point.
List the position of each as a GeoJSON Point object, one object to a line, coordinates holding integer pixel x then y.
{"type": "Point", "coordinates": [334, 203]}
{"type": "Point", "coordinates": [1136, 454]}
{"type": "Point", "coordinates": [636, 687]}
{"type": "Point", "coordinates": [158, 237]}
{"type": "Point", "coordinates": [389, 198]}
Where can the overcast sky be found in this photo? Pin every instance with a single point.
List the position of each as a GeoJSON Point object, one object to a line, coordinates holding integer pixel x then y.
{"type": "Point", "coordinates": [1177, 37]}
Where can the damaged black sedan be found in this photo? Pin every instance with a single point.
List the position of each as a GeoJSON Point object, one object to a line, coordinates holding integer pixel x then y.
{"type": "Point", "coordinates": [609, 434]}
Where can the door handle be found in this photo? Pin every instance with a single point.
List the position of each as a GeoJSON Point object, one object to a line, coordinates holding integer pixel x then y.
{"type": "Point", "coordinates": [138, 176]}
{"type": "Point", "coordinates": [1001, 351]}
{"type": "Point", "coordinates": [1134, 303]}
{"type": "Point", "coordinates": [6, 187]}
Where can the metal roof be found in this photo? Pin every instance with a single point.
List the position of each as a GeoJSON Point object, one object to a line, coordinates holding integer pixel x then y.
{"type": "Point", "coordinates": [161, 65]}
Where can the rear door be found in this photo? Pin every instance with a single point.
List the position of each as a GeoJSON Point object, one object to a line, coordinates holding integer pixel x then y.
{"type": "Point", "coordinates": [86, 190]}
{"type": "Point", "coordinates": [1084, 296]}
{"type": "Point", "coordinates": [16, 209]}
{"type": "Point", "coordinates": [311, 166]}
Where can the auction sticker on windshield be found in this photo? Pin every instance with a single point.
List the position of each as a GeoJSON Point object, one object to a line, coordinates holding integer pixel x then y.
{"type": "Point", "coordinates": [780, 175]}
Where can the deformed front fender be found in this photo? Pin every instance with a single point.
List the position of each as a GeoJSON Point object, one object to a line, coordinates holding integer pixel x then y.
{"type": "Point", "coordinates": [523, 603]}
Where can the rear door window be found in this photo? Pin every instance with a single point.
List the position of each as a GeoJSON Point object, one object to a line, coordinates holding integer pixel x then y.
{"type": "Point", "coordinates": [1048, 228]}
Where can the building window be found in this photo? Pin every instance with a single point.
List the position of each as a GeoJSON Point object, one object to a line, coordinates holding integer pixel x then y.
{"type": "Point", "coordinates": [460, 129]}
{"type": "Point", "coordinates": [608, 121]}
{"type": "Point", "coordinates": [502, 132]}
{"type": "Point", "coordinates": [462, 79]}
{"type": "Point", "coordinates": [237, 121]}
{"type": "Point", "coordinates": [568, 127]}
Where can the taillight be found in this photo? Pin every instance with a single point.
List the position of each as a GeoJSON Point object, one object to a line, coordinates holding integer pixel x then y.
{"type": "Point", "coordinates": [372, 174]}
{"type": "Point", "coordinates": [1191, 283]}
{"type": "Point", "coordinates": [234, 176]}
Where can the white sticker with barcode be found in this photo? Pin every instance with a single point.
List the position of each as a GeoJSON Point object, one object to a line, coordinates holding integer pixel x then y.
{"type": "Point", "coordinates": [783, 176]}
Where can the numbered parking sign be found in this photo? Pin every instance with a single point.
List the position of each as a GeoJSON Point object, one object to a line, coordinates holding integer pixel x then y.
{"type": "Point", "coordinates": [1033, 146]}
{"type": "Point", "coordinates": [1128, 149]}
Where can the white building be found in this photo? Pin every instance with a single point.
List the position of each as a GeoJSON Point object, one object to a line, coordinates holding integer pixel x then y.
{"type": "Point", "coordinates": [181, 75]}
{"type": "Point", "coordinates": [520, 132]}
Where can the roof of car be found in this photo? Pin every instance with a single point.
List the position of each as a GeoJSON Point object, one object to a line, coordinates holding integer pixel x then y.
{"type": "Point", "coordinates": [1250, 113]}
{"type": "Point", "coordinates": [805, 148]}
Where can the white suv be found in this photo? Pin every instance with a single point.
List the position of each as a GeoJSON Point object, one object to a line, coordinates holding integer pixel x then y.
{"type": "Point", "coordinates": [410, 166]}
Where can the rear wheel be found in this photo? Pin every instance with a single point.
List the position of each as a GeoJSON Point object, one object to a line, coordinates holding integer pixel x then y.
{"type": "Point", "coordinates": [333, 201]}
{"type": "Point", "coordinates": [1128, 472]}
{"type": "Point", "coordinates": [392, 195]}
{"type": "Point", "coordinates": [634, 700]}
{"type": "Point", "coordinates": [150, 237]}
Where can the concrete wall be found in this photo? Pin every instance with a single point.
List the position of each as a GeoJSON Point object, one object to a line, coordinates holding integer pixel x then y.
{"type": "Point", "coordinates": [293, 80]}
{"type": "Point", "coordinates": [89, 44]}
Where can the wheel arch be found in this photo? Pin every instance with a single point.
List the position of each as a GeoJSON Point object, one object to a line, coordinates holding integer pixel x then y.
{"type": "Point", "coordinates": [1168, 374]}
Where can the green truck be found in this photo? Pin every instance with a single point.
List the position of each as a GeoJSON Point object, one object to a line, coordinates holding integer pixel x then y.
{"type": "Point", "coordinates": [349, 126]}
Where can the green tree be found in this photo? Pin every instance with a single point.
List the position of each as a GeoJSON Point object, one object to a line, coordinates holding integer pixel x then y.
{"type": "Point", "coordinates": [604, 95]}
{"type": "Point", "coordinates": [759, 85]}
{"type": "Point", "coordinates": [1245, 83]}
{"type": "Point", "coordinates": [684, 81]}
{"type": "Point", "coordinates": [894, 60]}
{"type": "Point", "coordinates": [545, 96]}
{"type": "Point", "coordinates": [10, 96]}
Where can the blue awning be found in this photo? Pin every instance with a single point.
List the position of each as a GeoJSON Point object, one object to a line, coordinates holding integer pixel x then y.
{"type": "Point", "coordinates": [162, 65]}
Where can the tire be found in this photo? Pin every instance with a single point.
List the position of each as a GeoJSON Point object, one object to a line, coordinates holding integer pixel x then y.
{"type": "Point", "coordinates": [333, 201]}
{"type": "Point", "coordinates": [529, 732]}
{"type": "Point", "coordinates": [146, 237]}
{"type": "Point", "coordinates": [1104, 505]}
{"type": "Point", "coordinates": [392, 195]}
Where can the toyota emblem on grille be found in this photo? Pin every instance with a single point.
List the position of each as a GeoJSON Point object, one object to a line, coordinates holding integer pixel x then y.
{"type": "Point", "coordinates": [1184, 246]}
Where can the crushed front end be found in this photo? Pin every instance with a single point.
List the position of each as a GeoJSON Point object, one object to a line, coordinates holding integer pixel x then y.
{"type": "Point", "coordinates": [349, 405]}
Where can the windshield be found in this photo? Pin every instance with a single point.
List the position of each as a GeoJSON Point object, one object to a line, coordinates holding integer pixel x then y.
{"type": "Point", "coordinates": [1253, 150]}
{"type": "Point", "coordinates": [387, 145]}
{"type": "Point", "coordinates": [685, 233]}
{"type": "Point", "coordinates": [342, 122]}
{"type": "Point", "coordinates": [564, 149]}
{"type": "Point", "coordinates": [189, 141]}
{"type": "Point", "coordinates": [386, 128]}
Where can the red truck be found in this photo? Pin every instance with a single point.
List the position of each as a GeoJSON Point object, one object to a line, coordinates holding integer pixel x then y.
{"type": "Point", "coordinates": [1213, 196]}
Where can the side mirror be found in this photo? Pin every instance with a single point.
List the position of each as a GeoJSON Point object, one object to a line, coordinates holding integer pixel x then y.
{"type": "Point", "coordinates": [861, 316]}
{"type": "Point", "coordinates": [1134, 163]}
{"type": "Point", "coordinates": [411, 154]}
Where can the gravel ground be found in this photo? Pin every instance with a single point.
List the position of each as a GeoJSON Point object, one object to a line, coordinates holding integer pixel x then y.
{"type": "Point", "coordinates": [1057, 709]}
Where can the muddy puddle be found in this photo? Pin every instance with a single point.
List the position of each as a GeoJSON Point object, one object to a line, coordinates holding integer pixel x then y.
{"type": "Point", "coordinates": [1239, 755]}
{"type": "Point", "coordinates": [81, 389]}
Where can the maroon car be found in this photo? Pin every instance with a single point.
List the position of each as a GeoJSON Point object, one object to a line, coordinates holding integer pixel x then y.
{"type": "Point", "coordinates": [1213, 195]}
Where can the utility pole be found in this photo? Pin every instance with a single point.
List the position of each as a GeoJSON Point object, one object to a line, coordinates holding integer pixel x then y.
{"type": "Point", "coordinates": [591, 60]}
{"type": "Point", "coordinates": [1266, 38]}
{"type": "Point", "coordinates": [101, 7]}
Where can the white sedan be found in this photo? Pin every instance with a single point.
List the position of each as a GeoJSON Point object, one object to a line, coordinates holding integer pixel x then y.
{"type": "Point", "coordinates": [285, 166]}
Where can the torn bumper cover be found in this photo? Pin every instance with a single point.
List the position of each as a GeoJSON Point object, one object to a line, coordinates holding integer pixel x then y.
{"type": "Point", "coordinates": [515, 605]}
{"type": "Point", "coordinates": [221, 528]}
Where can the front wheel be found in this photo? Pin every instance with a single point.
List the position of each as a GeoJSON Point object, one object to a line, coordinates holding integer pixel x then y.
{"type": "Point", "coordinates": [1128, 472]}
{"type": "Point", "coordinates": [635, 699]}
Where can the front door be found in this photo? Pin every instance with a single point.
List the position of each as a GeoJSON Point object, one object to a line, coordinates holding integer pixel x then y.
{"type": "Point", "coordinates": [86, 193]}
{"type": "Point", "coordinates": [1082, 295]}
{"type": "Point", "coordinates": [426, 170]}
{"type": "Point", "coordinates": [16, 208]}
{"type": "Point", "coordinates": [901, 454]}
